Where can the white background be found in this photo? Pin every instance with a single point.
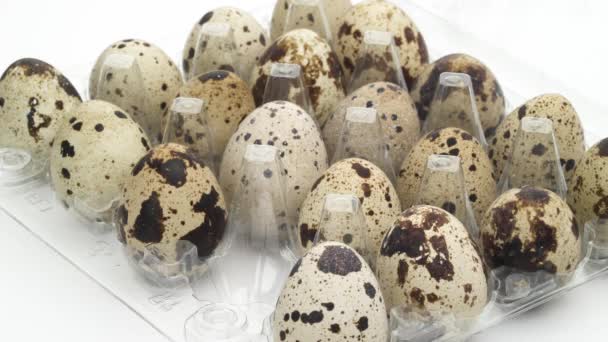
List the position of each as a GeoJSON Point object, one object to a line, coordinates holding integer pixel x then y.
{"type": "Point", "coordinates": [43, 297]}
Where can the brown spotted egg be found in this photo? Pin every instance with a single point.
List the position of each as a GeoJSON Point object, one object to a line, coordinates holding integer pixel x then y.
{"type": "Point", "coordinates": [567, 128]}
{"type": "Point", "coordinates": [34, 97]}
{"type": "Point", "coordinates": [249, 37]}
{"type": "Point", "coordinates": [531, 229]}
{"type": "Point", "coordinates": [289, 128]}
{"type": "Point", "coordinates": [95, 147]}
{"type": "Point", "coordinates": [333, 10]}
{"type": "Point", "coordinates": [427, 260]}
{"type": "Point", "coordinates": [160, 79]}
{"type": "Point", "coordinates": [380, 15]}
{"type": "Point", "coordinates": [331, 294]}
{"type": "Point", "coordinates": [479, 180]}
{"type": "Point", "coordinates": [227, 100]}
{"type": "Point", "coordinates": [321, 70]}
{"type": "Point", "coordinates": [396, 113]}
{"type": "Point", "coordinates": [169, 197]}
{"type": "Point", "coordinates": [489, 97]}
{"type": "Point", "coordinates": [358, 177]}
{"type": "Point", "coordinates": [588, 194]}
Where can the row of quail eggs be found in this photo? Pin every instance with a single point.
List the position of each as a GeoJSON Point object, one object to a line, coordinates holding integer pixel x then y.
{"type": "Point", "coordinates": [105, 152]}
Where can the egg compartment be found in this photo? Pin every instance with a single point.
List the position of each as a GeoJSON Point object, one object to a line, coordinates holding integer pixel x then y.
{"type": "Point", "coordinates": [215, 50]}
{"type": "Point", "coordinates": [286, 83]}
{"type": "Point", "coordinates": [511, 292]}
{"type": "Point", "coordinates": [378, 61]}
{"type": "Point", "coordinates": [20, 166]}
{"type": "Point", "coordinates": [309, 14]}
{"type": "Point", "coordinates": [100, 256]}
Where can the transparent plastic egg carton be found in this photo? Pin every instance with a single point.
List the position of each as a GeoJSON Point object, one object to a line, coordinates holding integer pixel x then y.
{"type": "Point", "coordinates": [97, 252]}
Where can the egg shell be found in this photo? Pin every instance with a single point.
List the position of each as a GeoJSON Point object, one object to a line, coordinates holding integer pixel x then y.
{"type": "Point", "coordinates": [249, 36]}
{"type": "Point", "coordinates": [489, 96]}
{"type": "Point", "coordinates": [170, 196]}
{"type": "Point", "coordinates": [289, 128]}
{"type": "Point", "coordinates": [333, 9]}
{"type": "Point", "coordinates": [380, 15]}
{"type": "Point", "coordinates": [321, 71]}
{"type": "Point", "coordinates": [427, 260]}
{"type": "Point", "coordinates": [94, 150]}
{"type": "Point", "coordinates": [567, 128]}
{"type": "Point", "coordinates": [531, 229]}
{"type": "Point", "coordinates": [160, 79]}
{"type": "Point", "coordinates": [331, 294]}
{"type": "Point", "coordinates": [360, 178]}
{"type": "Point", "coordinates": [588, 194]}
{"type": "Point", "coordinates": [227, 101]}
{"type": "Point", "coordinates": [34, 97]}
{"type": "Point", "coordinates": [396, 113]}
{"type": "Point", "coordinates": [477, 169]}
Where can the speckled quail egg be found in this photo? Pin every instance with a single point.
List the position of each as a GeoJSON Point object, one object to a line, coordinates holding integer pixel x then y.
{"type": "Point", "coordinates": [395, 111]}
{"type": "Point", "coordinates": [588, 194]}
{"type": "Point", "coordinates": [171, 197]}
{"type": "Point", "coordinates": [358, 177]}
{"type": "Point", "coordinates": [96, 146]}
{"type": "Point", "coordinates": [321, 71]}
{"type": "Point", "coordinates": [160, 79]}
{"type": "Point", "coordinates": [34, 97]}
{"type": "Point", "coordinates": [333, 10]}
{"type": "Point", "coordinates": [479, 180]}
{"type": "Point", "coordinates": [427, 260]}
{"type": "Point", "coordinates": [566, 125]}
{"type": "Point", "coordinates": [331, 295]}
{"type": "Point", "coordinates": [249, 37]}
{"type": "Point", "coordinates": [289, 128]}
{"type": "Point", "coordinates": [380, 15]}
{"type": "Point", "coordinates": [227, 100]}
{"type": "Point", "coordinates": [489, 97]}
{"type": "Point", "coordinates": [531, 229]}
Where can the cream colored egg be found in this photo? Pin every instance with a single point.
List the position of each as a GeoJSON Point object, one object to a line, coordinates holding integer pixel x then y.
{"type": "Point", "coordinates": [289, 128]}
{"type": "Point", "coordinates": [395, 111]}
{"type": "Point", "coordinates": [380, 15]}
{"type": "Point", "coordinates": [588, 189]}
{"type": "Point", "coordinates": [489, 96]}
{"type": "Point", "coordinates": [34, 98]}
{"type": "Point", "coordinates": [333, 10]}
{"type": "Point", "coordinates": [478, 176]}
{"type": "Point", "coordinates": [249, 37]}
{"type": "Point", "coordinates": [321, 71]}
{"type": "Point", "coordinates": [364, 180]}
{"type": "Point", "coordinates": [566, 125]}
{"type": "Point", "coordinates": [159, 81]}
{"type": "Point", "coordinates": [227, 101]}
{"type": "Point", "coordinates": [94, 150]}
{"type": "Point", "coordinates": [331, 294]}
{"type": "Point", "coordinates": [169, 197]}
{"type": "Point", "coordinates": [427, 260]}
{"type": "Point", "coordinates": [531, 229]}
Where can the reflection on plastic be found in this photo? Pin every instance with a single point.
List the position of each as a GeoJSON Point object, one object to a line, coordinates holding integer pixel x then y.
{"type": "Point", "coordinates": [18, 166]}
{"type": "Point", "coordinates": [286, 84]}
{"type": "Point", "coordinates": [187, 125]}
{"type": "Point", "coordinates": [443, 186]}
{"type": "Point", "coordinates": [534, 159]}
{"type": "Point", "coordinates": [454, 105]}
{"type": "Point", "coordinates": [342, 220]}
{"type": "Point", "coordinates": [121, 82]}
{"type": "Point", "coordinates": [215, 50]}
{"type": "Point", "coordinates": [259, 245]}
{"type": "Point", "coordinates": [308, 14]}
{"type": "Point", "coordinates": [408, 324]}
{"type": "Point", "coordinates": [362, 137]}
{"type": "Point", "coordinates": [378, 61]}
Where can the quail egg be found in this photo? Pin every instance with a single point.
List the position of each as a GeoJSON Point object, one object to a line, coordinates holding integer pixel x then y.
{"type": "Point", "coordinates": [333, 10]}
{"type": "Point", "coordinates": [321, 71]}
{"type": "Point", "coordinates": [427, 260]}
{"type": "Point", "coordinates": [170, 197]}
{"type": "Point", "coordinates": [331, 294]}
{"type": "Point", "coordinates": [34, 97]}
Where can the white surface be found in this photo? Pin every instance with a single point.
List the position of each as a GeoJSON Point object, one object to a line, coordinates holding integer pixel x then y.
{"type": "Point", "coordinates": [46, 298]}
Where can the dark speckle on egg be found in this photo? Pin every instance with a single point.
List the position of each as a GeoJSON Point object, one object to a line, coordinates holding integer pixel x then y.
{"type": "Point", "coordinates": [339, 261]}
